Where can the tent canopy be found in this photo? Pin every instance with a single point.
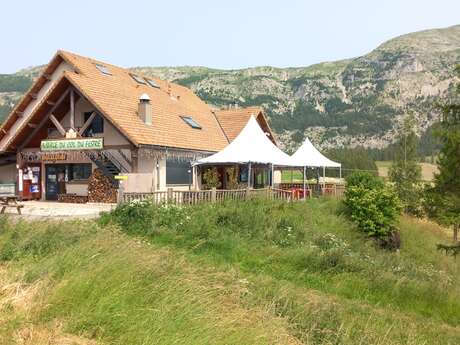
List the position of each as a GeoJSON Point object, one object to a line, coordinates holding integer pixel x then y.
{"type": "Point", "coordinates": [250, 146]}
{"type": "Point", "coordinates": [308, 156]}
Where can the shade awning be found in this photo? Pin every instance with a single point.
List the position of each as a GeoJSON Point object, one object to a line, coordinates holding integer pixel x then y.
{"type": "Point", "coordinates": [308, 156]}
{"type": "Point", "coordinates": [250, 146]}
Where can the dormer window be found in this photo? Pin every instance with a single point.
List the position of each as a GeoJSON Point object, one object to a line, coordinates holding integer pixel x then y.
{"type": "Point", "coordinates": [191, 122]}
{"type": "Point", "coordinates": [138, 79]}
{"type": "Point", "coordinates": [103, 69]}
{"type": "Point", "coordinates": [152, 83]}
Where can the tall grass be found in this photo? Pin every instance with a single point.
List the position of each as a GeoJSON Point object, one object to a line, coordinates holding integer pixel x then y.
{"type": "Point", "coordinates": [257, 272]}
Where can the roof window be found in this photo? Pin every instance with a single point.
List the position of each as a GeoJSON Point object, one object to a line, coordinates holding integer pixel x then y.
{"type": "Point", "coordinates": [191, 122]}
{"type": "Point", "coordinates": [152, 83]}
{"type": "Point", "coordinates": [103, 69]}
{"type": "Point", "coordinates": [138, 79]}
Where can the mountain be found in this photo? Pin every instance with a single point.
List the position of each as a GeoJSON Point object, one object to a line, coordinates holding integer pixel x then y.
{"type": "Point", "coordinates": [354, 102]}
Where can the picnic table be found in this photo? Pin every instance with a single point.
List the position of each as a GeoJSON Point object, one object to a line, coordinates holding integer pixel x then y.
{"type": "Point", "coordinates": [9, 201]}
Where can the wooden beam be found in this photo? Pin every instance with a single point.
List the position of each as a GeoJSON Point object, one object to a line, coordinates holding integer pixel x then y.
{"type": "Point", "coordinates": [57, 124]}
{"type": "Point", "coordinates": [50, 103]}
{"type": "Point", "coordinates": [43, 121]}
{"type": "Point", "coordinates": [33, 96]}
{"type": "Point", "coordinates": [32, 125]}
{"type": "Point", "coordinates": [46, 76]}
{"type": "Point", "coordinates": [72, 109]}
{"type": "Point", "coordinates": [3, 130]}
{"type": "Point", "coordinates": [87, 123]}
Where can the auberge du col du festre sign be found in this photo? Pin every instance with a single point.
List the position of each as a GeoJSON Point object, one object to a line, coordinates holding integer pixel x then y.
{"type": "Point", "coordinates": [72, 144]}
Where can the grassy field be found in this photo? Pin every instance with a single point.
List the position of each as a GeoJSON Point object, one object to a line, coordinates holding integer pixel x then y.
{"type": "Point", "coordinates": [428, 169]}
{"type": "Point", "coordinates": [244, 273]}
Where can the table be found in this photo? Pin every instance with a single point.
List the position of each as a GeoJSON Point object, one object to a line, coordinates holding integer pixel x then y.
{"type": "Point", "coordinates": [9, 201]}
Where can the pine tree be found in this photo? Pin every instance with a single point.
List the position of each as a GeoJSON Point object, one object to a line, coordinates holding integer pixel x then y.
{"type": "Point", "coordinates": [405, 172]}
{"type": "Point", "coordinates": [444, 198]}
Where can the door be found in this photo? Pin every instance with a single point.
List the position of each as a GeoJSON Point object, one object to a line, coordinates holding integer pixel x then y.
{"type": "Point", "coordinates": [54, 181]}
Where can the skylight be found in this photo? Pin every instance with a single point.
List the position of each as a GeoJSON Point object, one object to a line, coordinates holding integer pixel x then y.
{"type": "Point", "coordinates": [103, 69]}
{"type": "Point", "coordinates": [152, 83]}
{"type": "Point", "coordinates": [138, 79]}
{"type": "Point", "coordinates": [191, 122]}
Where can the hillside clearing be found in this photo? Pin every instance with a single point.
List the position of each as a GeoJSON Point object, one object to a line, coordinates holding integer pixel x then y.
{"type": "Point", "coordinates": [248, 273]}
{"type": "Point", "coordinates": [428, 170]}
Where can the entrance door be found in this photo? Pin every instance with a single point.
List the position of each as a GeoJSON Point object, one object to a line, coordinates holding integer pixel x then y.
{"type": "Point", "coordinates": [55, 181]}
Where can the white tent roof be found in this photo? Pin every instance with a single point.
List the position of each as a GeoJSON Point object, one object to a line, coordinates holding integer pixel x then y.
{"type": "Point", "coordinates": [308, 155]}
{"type": "Point", "coordinates": [250, 146]}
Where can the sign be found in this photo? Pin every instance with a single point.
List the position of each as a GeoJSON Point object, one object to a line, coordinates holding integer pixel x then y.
{"type": "Point", "coordinates": [120, 177]}
{"type": "Point", "coordinates": [58, 156]}
{"type": "Point", "coordinates": [72, 144]}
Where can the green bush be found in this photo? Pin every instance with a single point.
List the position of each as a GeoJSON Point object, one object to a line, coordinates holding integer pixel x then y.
{"type": "Point", "coordinates": [364, 179]}
{"type": "Point", "coordinates": [372, 205]}
{"type": "Point", "coordinates": [135, 217]}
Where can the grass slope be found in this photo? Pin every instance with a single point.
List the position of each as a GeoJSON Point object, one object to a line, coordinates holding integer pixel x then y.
{"type": "Point", "coordinates": [244, 273]}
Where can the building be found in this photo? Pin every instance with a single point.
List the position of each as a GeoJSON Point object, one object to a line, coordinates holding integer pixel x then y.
{"type": "Point", "coordinates": [82, 114]}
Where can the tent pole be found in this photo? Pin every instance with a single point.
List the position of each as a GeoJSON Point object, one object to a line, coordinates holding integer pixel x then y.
{"type": "Point", "coordinates": [273, 176]}
{"type": "Point", "coordinates": [304, 182]}
{"type": "Point", "coordinates": [324, 177]}
{"type": "Point", "coordinates": [249, 175]}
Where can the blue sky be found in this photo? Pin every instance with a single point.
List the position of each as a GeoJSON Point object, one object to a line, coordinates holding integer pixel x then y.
{"type": "Point", "coordinates": [221, 34]}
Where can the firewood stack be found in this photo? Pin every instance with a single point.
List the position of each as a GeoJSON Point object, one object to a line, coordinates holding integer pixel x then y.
{"type": "Point", "coordinates": [100, 189]}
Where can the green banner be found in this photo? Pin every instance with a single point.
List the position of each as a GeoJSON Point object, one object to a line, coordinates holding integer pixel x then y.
{"type": "Point", "coordinates": [72, 144]}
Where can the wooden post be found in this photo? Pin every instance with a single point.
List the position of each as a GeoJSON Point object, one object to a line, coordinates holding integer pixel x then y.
{"type": "Point", "coordinates": [170, 195]}
{"type": "Point", "coordinates": [456, 227]}
{"type": "Point", "coordinates": [72, 109]}
{"type": "Point", "coordinates": [213, 195]}
{"type": "Point", "coordinates": [248, 193]}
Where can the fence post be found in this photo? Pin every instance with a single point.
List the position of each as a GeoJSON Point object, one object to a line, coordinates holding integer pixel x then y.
{"type": "Point", "coordinates": [248, 193]}
{"type": "Point", "coordinates": [121, 191]}
{"type": "Point", "coordinates": [169, 195]}
{"type": "Point", "coordinates": [213, 195]}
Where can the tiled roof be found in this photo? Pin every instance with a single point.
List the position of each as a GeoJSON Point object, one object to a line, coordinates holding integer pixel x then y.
{"type": "Point", "coordinates": [233, 120]}
{"type": "Point", "coordinates": [116, 96]}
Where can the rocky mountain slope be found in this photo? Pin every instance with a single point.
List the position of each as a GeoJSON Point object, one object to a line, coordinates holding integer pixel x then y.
{"type": "Point", "coordinates": [355, 102]}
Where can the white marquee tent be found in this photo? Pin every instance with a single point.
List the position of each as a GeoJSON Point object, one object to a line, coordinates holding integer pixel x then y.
{"type": "Point", "coordinates": [308, 156]}
{"type": "Point", "coordinates": [251, 146]}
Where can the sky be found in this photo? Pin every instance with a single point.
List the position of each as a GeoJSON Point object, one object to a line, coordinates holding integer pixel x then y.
{"type": "Point", "coordinates": [220, 34]}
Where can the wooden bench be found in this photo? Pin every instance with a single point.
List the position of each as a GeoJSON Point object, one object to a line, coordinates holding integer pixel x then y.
{"type": "Point", "coordinates": [9, 201]}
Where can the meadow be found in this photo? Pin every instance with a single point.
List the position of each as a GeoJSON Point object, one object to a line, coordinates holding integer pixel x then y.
{"type": "Point", "coordinates": [256, 272]}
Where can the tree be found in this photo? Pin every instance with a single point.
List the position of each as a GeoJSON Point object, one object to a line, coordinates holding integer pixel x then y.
{"type": "Point", "coordinates": [405, 172]}
{"type": "Point", "coordinates": [443, 201]}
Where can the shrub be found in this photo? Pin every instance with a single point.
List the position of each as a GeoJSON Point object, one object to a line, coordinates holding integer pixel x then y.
{"type": "Point", "coordinates": [211, 178]}
{"type": "Point", "coordinates": [364, 179]}
{"type": "Point", "coordinates": [135, 217]}
{"type": "Point", "coordinates": [373, 206]}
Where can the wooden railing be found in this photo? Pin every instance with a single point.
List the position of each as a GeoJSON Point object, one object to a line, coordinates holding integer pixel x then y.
{"type": "Point", "coordinates": [213, 196]}
{"type": "Point", "coordinates": [328, 189]}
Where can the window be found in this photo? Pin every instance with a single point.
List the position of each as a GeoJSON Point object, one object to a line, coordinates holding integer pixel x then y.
{"type": "Point", "coordinates": [178, 172]}
{"type": "Point", "coordinates": [152, 83]}
{"type": "Point", "coordinates": [96, 127]}
{"type": "Point", "coordinates": [191, 122]}
{"type": "Point", "coordinates": [79, 171]}
{"type": "Point", "coordinates": [103, 69]}
{"type": "Point", "coordinates": [138, 79]}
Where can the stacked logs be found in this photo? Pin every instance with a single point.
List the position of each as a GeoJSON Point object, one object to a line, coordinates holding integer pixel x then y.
{"type": "Point", "coordinates": [100, 188]}
{"type": "Point", "coordinates": [72, 198]}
